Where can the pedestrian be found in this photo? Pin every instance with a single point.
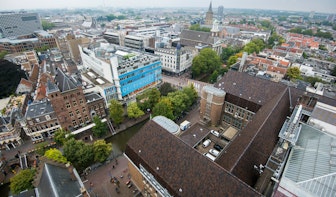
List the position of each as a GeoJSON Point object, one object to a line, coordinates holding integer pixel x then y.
{"type": "Point", "coordinates": [113, 167]}
{"type": "Point", "coordinates": [91, 186]}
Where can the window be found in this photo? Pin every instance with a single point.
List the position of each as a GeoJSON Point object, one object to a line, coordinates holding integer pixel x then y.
{"type": "Point", "coordinates": [81, 101]}
{"type": "Point", "coordinates": [37, 120]}
{"type": "Point", "coordinates": [74, 123]}
{"type": "Point", "coordinates": [83, 109]}
{"type": "Point", "coordinates": [77, 111]}
{"type": "Point", "coordinates": [71, 114]}
{"type": "Point", "coordinates": [65, 97]}
{"type": "Point", "coordinates": [47, 117]}
{"type": "Point", "coordinates": [74, 103]}
{"type": "Point", "coordinates": [68, 105]}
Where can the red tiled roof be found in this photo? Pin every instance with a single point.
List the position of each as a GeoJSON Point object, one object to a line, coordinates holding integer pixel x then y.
{"type": "Point", "coordinates": [277, 69]}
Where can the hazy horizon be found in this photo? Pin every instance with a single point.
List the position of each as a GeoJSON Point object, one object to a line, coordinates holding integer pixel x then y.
{"type": "Point", "coordinates": [326, 6]}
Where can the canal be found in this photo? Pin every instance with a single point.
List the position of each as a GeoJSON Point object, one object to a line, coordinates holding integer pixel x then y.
{"type": "Point", "coordinates": [119, 140]}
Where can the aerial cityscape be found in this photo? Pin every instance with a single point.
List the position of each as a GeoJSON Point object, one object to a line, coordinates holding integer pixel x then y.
{"type": "Point", "coordinates": [168, 98]}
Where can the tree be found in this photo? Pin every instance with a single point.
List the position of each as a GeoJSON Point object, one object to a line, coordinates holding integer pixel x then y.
{"type": "Point", "coordinates": [3, 54]}
{"type": "Point", "coordinates": [165, 88]}
{"type": "Point", "coordinates": [153, 97]}
{"type": "Point", "coordinates": [256, 45]}
{"type": "Point", "coordinates": [22, 181]}
{"type": "Point", "coordinates": [41, 148]}
{"type": "Point", "coordinates": [214, 76]}
{"type": "Point", "coordinates": [47, 25]}
{"type": "Point", "coordinates": [55, 154]}
{"type": "Point", "coordinates": [100, 127]}
{"type": "Point", "coordinates": [232, 60]}
{"type": "Point", "coordinates": [228, 52]}
{"type": "Point", "coordinates": [333, 72]}
{"type": "Point", "coordinates": [134, 111]}
{"type": "Point", "coordinates": [164, 108]}
{"type": "Point", "coordinates": [197, 27]}
{"type": "Point", "coordinates": [116, 111]}
{"type": "Point", "coordinates": [101, 150]}
{"type": "Point", "coordinates": [206, 61]}
{"type": "Point", "coordinates": [78, 153]}
{"type": "Point", "coordinates": [61, 136]}
{"type": "Point", "coordinates": [293, 73]}
{"type": "Point", "coordinates": [179, 100]}
{"type": "Point", "coordinates": [191, 93]}
{"type": "Point", "coordinates": [313, 80]}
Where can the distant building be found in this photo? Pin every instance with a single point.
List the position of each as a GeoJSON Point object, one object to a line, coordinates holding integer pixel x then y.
{"type": "Point", "coordinates": [38, 40]}
{"type": "Point", "coordinates": [209, 15]}
{"type": "Point", "coordinates": [130, 71]}
{"type": "Point", "coordinates": [19, 24]}
{"type": "Point", "coordinates": [176, 60]}
{"type": "Point", "coordinates": [220, 13]}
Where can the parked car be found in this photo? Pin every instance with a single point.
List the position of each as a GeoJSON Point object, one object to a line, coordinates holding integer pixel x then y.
{"type": "Point", "coordinates": [206, 143]}
{"type": "Point", "coordinates": [214, 152]}
{"type": "Point", "coordinates": [215, 133]}
{"type": "Point", "coordinates": [218, 147]}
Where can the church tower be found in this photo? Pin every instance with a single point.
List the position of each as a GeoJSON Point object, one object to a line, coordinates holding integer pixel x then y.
{"type": "Point", "coordinates": [209, 15]}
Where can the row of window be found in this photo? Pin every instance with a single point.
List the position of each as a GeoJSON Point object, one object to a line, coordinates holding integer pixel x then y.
{"type": "Point", "coordinates": [74, 103]}
{"type": "Point", "coordinates": [44, 126]}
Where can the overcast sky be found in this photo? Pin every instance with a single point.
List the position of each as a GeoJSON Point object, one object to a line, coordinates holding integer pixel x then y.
{"type": "Point", "coordinates": [328, 6]}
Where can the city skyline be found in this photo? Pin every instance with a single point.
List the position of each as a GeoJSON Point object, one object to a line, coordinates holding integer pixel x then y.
{"type": "Point", "coordinates": [326, 6]}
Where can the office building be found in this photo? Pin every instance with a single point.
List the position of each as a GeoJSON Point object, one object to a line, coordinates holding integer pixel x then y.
{"type": "Point", "coordinates": [177, 60]}
{"type": "Point", "coordinates": [130, 71]}
{"type": "Point", "coordinates": [220, 13]}
{"type": "Point", "coordinates": [19, 24]}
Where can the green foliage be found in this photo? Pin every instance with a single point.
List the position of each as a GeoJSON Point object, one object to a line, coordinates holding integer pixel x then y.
{"type": "Point", "coordinates": [133, 110]}
{"type": "Point", "coordinates": [232, 60]}
{"type": "Point", "coordinates": [101, 150]}
{"type": "Point", "coordinates": [309, 32]}
{"type": "Point", "coordinates": [116, 111]}
{"type": "Point", "coordinates": [81, 155]}
{"type": "Point", "coordinates": [3, 54]}
{"type": "Point", "coordinates": [164, 108]}
{"type": "Point", "coordinates": [55, 154]}
{"type": "Point", "coordinates": [41, 148]}
{"type": "Point", "coordinates": [322, 47]}
{"type": "Point", "coordinates": [42, 48]}
{"type": "Point", "coordinates": [293, 73]}
{"type": "Point", "coordinates": [207, 61]}
{"type": "Point", "coordinates": [266, 24]}
{"type": "Point", "coordinates": [312, 80]}
{"type": "Point", "coordinates": [275, 39]}
{"type": "Point", "coordinates": [100, 128]}
{"type": "Point", "coordinates": [304, 55]}
{"type": "Point", "coordinates": [112, 17]}
{"type": "Point", "coordinates": [256, 45]}
{"type": "Point", "coordinates": [165, 88]}
{"type": "Point", "coordinates": [197, 27]}
{"type": "Point", "coordinates": [148, 99]}
{"type": "Point", "coordinates": [228, 52]}
{"type": "Point", "coordinates": [61, 136]}
{"type": "Point", "coordinates": [213, 77]}
{"type": "Point", "coordinates": [282, 18]}
{"type": "Point", "coordinates": [47, 25]}
{"type": "Point", "coordinates": [22, 181]}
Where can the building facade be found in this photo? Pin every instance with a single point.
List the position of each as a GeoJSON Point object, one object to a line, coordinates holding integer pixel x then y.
{"type": "Point", "coordinates": [129, 70]}
{"type": "Point", "coordinates": [18, 24]}
{"type": "Point", "coordinates": [176, 60]}
{"type": "Point", "coordinates": [10, 130]}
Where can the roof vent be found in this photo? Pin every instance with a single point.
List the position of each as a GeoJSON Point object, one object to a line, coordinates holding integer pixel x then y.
{"type": "Point", "coordinates": [139, 151]}
{"type": "Point", "coordinates": [157, 168]}
{"type": "Point", "coordinates": [180, 190]}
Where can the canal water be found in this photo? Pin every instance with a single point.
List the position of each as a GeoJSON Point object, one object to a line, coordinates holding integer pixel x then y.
{"type": "Point", "coordinates": [119, 140]}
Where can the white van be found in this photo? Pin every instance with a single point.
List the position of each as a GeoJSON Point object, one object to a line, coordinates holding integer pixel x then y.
{"type": "Point", "coordinates": [212, 158]}
{"type": "Point", "coordinates": [206, 143]}
{"type": "Point", "coordinates": [214, 152]}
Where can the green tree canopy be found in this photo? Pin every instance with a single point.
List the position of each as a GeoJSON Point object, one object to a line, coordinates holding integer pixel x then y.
{"type": "Point", "coordinates": [116, 111]}
{"type": "Point", "coordinates": [101, 150]}
{"type": "Point", "coordinates": [81, 155]}
{"type": "Point", "coordinates": [100, 128]}
{"type": "Point", "coordinates": [333, 71]}
{"type": "Point", "coordinates": [22, 181]}
{"type": "Point", "coordinates": [179, 100]}
{"type": "Point", "coordinates": [164, 108]}
{"type": "Point", "coordinates": [197, 27]}
{"type": "Point", "coordinates": [165, 88]}
{"type": "Point", "coordinates": [133, 111]}
{"type": "Point", "coordinates": [61, 136]}
{"type": "Point", "coordinates": [148, 99]}
{"type": "Point", "coordinates": [228, 52]}
{"type": "Point", "coordinates": [232, 60]}
{"type": "Point", "coordinates": [191, 93]}
{"type": "Point", "coordinates": [293, 73]}
{"type": "Point", "coordinates": [312, 80]}
{"type": "Point", "coordinates": [256, 45]}
{"type": "Point", "coordinates": [205, 62]}
{"type": "Point", "coordinates": [3, 54]}
{"type": "Point", "coordinates": [47, 25]}
{"type": "Point", "coordinates": [55, 154]}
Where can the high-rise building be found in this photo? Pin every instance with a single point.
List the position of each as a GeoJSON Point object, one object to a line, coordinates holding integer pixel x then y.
{"type": "Point", "coordinates": [18, 24]}
{"type": "Point", "coordinates": [220, 14]}
{"type": "Point", "coordinates": [209, 15]}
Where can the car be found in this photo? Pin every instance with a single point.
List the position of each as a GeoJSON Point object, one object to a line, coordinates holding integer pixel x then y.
{"type": "Point", "coordinates": [214, 152]}
{"type": "Point", "coordinates": [218, 147]}
{"type": "Point", "coordinates": [206, 143]}
{"type": "Point", "coordinates": [215, 133]}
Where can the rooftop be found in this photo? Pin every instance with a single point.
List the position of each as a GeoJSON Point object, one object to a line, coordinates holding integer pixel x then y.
{"type": "Point", "coordinates": [38, 109]}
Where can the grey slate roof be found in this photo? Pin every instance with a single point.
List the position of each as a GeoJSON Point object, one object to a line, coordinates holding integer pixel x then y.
{"type": "Point", "coordinates": [92, 97]}
{"type": "Point", "coordinates": [56, 181]}
{"type": "Point", "coordinates": [51, 87]}
{"type": "Point", "coordinates": [199, 36]}
{"type": "Point", "coordinates": [38, 109]}
{"type": "Point", "coordinates": [64, 82]}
